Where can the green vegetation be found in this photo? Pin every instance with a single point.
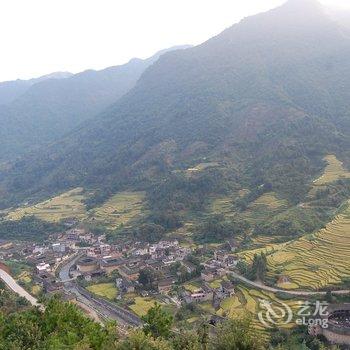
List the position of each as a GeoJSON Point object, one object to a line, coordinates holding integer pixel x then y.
{"type": "Point", "coordinates": [105, 290]}
{"type": "Point", "coordinates": [64, 326]}
{"type": "Point", "coordinates": [314, 261]}
{"type": "Point", "coordinates": [217, 229]}
{"type": "Point", "coordinates": [142, 305]}
{"type": "Point", "coordinates": [42, 110]}
{"type": "Point", "coordinates": [65, 206]}
{"type": "Point", "coordinates": [10, 302]}
{"type": "Point", "coordinates": [158, 322]}
{"type": "Point", "coordinates": [28, 228]}
{"type": "Point", "coordinates": [118, 210]}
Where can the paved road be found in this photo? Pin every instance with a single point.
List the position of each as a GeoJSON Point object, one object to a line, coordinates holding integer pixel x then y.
{"type": "Point", "coordinates": [12, 284]}
{"type": "Point", "coordinates": [300, 293]}
{"type": "Point", "coordinates": [103, 308]}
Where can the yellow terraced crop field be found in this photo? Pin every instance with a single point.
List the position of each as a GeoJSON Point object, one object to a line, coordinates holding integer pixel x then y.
{"type": "Point", "coordinates": [314, 261]}
{"type": "Point", "coordinates": [248, 302]}
{"type": "Point", "coordinates": [222, 205]}
{"type": "Point", "coordinates": [333, 171]}
{"type": "Point", "coordinates": [67, 205]}
{"type": "Point", "coordinates": [263, 208]}
{"type": "Point", "coordinates": [270, 200]}
{"type": "Point", "coordinates": [120, 209]}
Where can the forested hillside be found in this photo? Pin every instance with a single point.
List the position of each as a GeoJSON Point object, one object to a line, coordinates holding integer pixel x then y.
{"type": "Point", "coordinates": [39, 111]}
{"type": "Point", "coordinates": [11, 90]}
{"type": "Point", "coordinates": [266, 99]}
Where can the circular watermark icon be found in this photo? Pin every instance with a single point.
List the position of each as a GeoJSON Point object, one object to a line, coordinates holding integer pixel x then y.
{"type": "Point", "coordinates": [273, 313]}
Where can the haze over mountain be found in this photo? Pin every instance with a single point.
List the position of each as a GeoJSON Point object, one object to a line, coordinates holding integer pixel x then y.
{"type": "Point", "coordinates": [10, 90]}
{"type": "Point", "coordinates": [38, 111]}
{"type": "Point", "coordinates": [266, 99]}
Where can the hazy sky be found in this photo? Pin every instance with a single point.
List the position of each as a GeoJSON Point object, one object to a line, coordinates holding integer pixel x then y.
{"type": "Point", "coordinates": [42, 36]}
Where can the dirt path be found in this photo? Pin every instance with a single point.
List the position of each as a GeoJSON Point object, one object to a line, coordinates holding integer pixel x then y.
{"type": "Point", "coordinates": [300, 293]}
{"type": "Point", "coordinates": [12, 284]}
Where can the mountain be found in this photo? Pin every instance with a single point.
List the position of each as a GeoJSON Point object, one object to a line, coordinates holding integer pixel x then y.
{"type": "Point", "coordinates": [340, 16]}
{"type": "Point", "coordinates": [42, 110]}
{"type": "Point", "coordinates": [11, 90]}
{"type": "Point", "coordinates": [265, 100]}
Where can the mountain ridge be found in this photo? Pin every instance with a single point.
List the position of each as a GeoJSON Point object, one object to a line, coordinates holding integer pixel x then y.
{"type": "Point", "coordinates": [49, 108]}
{"type": "Point", "coordinates": [256, 98]}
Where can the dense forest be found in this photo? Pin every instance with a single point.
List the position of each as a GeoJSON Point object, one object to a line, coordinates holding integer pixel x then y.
{"type": "Point", "coordinates": [62, 326]}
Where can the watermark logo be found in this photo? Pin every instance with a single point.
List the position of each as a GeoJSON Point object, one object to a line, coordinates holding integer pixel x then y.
{"type": "Point", "coordinates": [273, 314]}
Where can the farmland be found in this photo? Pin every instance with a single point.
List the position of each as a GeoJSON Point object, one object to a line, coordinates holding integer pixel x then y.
{"type": "Point", "coordinates": [142, 305]}
{"type": "Point", "coordinates": [105, 290]}
{"type": "Point", "coordinates": [119, 210]}
{"type": "Point", "coordinates": [247, 301]}
{"type": "Point", "coordinates": [264, 208]}
{"type": "Point", "coordinates": [314, 261]}
{"type": "Point", "coordinates": [333, 171]}
{"type": "Point", "coordinates": [65, 206]}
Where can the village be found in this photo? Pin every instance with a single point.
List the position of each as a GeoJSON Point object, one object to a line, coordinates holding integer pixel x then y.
{"type": "Point", "coordinates": [165, 271]}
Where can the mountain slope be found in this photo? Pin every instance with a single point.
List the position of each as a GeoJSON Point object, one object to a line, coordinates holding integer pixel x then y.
{"type": "Point", "coordinates": [266, 99]}
{"type": "Point", "coordinates": [49, 108]}
{"type": "Point", "coordinates": [11, 90]}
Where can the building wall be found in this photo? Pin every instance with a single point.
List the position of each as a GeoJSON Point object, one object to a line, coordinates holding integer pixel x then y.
{"type": "Point", "coordinates": [341, 339]}
{"type": "Point", "coordinates": [87, 268]}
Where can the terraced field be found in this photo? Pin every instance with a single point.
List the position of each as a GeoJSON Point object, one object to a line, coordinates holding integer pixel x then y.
{"type": "Point", "coordinates": [120, 209]}
{"type": "Point", "coordinates": [248, 302]}
{"type": "Point", "coordinates": [222, 205]}
{"type": "Point", "coordinates": [333, 171]}
{"type": "Point", "coordinates": [262, 208]}
{"type": "Point", "coordinates": [314, 261]}
{"type": "Point", "coordinates": [67, 205]}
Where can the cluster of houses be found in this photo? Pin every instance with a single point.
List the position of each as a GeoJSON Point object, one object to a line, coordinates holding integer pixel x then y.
{"type": "Point", "coordinates": [225, 289]}
{"type": "Point", "coordinates": [129, 259]}
{"type": "Point", "coordinates": [125, 260]}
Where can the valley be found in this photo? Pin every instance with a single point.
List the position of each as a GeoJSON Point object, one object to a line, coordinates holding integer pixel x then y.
{"type": "Point", "coordinates": [303, 267]}
{"type": "Point", "coordinates": [196, 199]}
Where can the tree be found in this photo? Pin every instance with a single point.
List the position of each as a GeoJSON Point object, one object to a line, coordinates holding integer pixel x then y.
{"type": "Point", "coordinates": [147, 277]}
{"type": "Point", "coordinates": [237, 335]}
{"type": "Point", "coordinates": [149, 232]}
{"type": "Point", "coordinates": [187, 341]}
{"type": "Point", "coordinates": [259, 267]}
{"type": "Point", "coordinates": [203, 335]}
{"type": "Point", "coordinates": [158, 322]}
{"type": "Point", "coordinates": [138, 340]}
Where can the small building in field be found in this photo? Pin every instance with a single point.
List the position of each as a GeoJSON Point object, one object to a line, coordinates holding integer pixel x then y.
{"type": "Point", "coordinates": [208, 275]}
{"type": "Point", "coordinates": [164, 286]}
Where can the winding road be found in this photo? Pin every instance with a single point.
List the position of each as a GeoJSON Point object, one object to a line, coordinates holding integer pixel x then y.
{"type": "Point", "coordinates": [103, 308]}
{"type": "Point", "coordinates": [12, 284]}
{"type": "Point", "coordinates": [300, 293]}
